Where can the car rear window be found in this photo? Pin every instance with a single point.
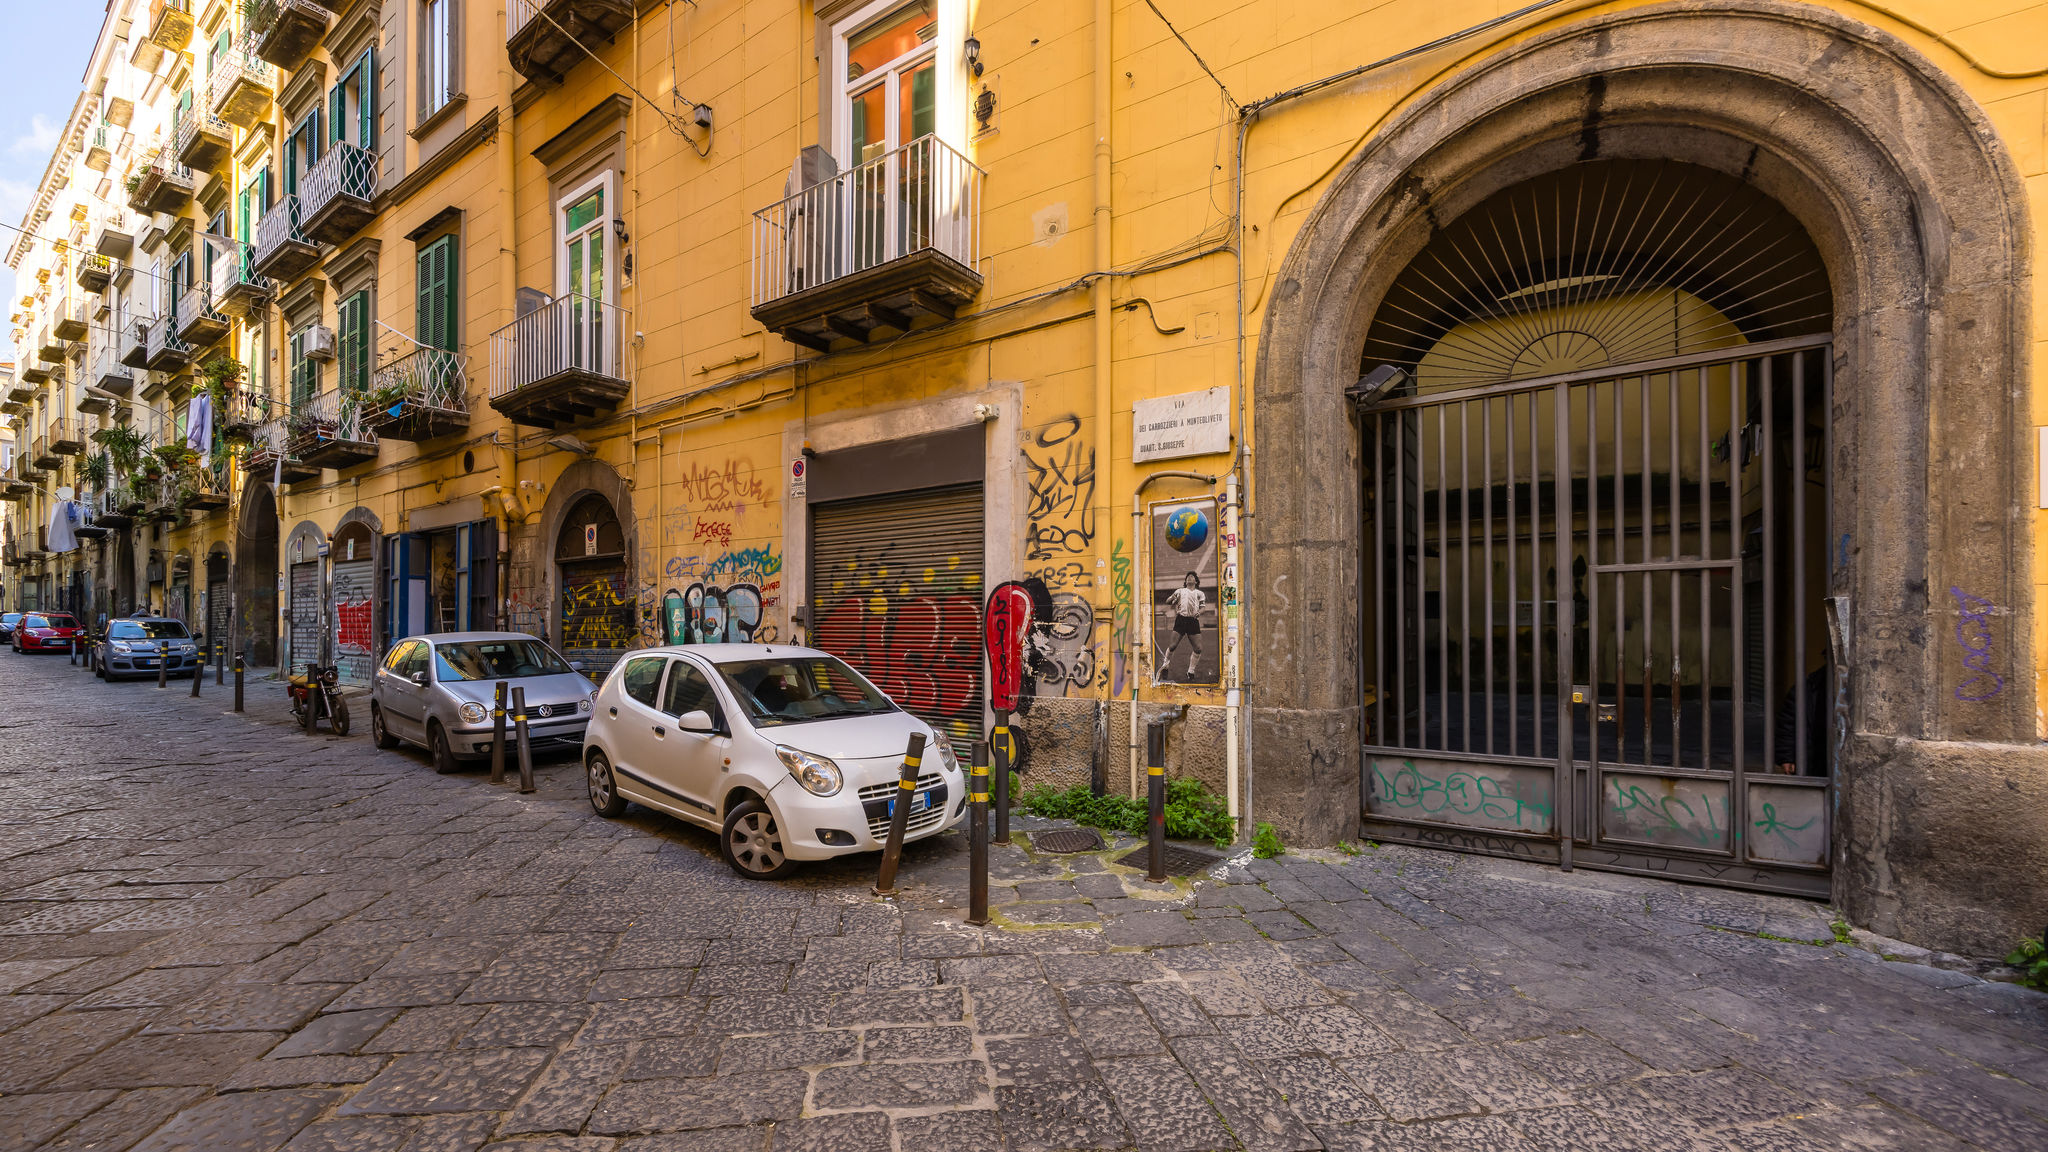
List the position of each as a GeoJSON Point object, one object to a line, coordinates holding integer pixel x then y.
{"type": "Point", "coordinates": [146, 630]}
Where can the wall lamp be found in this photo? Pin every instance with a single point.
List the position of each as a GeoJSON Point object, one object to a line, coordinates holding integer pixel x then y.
{"type": "Point", "coordinates": [974, 56]}
{"type": "Point", "coordinates": [1375, 384]}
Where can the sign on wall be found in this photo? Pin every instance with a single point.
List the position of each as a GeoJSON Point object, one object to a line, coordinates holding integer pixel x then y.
{"type": "Point", "coordinates": [1190, 424]}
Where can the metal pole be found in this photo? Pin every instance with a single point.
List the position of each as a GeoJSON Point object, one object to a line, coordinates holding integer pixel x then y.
{"type": "Point", "coordinates": [198, 674]}
{"type": "Point", "coordinates": [525, 748]}
{"type": "Point", "coordinates": [238, 681]}
{"type": "Point", "coordinates": [977, 836]}
{"type": "Point", "coordinates": [163, 664]}
{"type": "Point", "coordinates": [498, 735]}
{"type": "Point", "coordinates": [220, 663]}
{"type": "Point", "coordinates": [899, 814]}
{"type": "Point", "coordinates": [1000, 747]}
{"type": "Point", "coordinates": [1155, 789]}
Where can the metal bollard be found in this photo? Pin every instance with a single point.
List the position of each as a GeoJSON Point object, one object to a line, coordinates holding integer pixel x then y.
{"type": "Point", "coordinates": [525, 749]}
{"type": "Point", "coordinates": [163, 665]}
{"type": "Point", "coordinates": [899, 815]}
{"type": "Point", "coordinates": [238, 682]}
{"type": "Point", "coordinates": [1155, 783]}
{"type": "Point", "coordinates": [977, 836]}
{"type": "Point", "coordinates": [498, 735]}
{"type": "Point", "coordinates": [1002, 748]}
{"type": "Point", "coordinates": [198, 674]}
{"type": "Point", "coordinates": [220, 665]}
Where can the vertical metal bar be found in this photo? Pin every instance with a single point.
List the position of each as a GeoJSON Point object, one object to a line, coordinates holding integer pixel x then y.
{"type": "Point", "coordinates": [1465, 569]}
{"type": "Point", "coordinates": [1514, 640]}
{"type": "Point", "coordinates": [1155, 802]}
{"type": "Point", "coordinates": [1649, 629]}
{"type": "Point", "coordinates": [523, 738]}
{"type": "Point", "coordinates": [1443, 582]}
{"type": "Point", "coordinates": [1706, 580]}
{"type": "Point", "coordinates": [1001, 764]}
{"type": "Point", "coordinates": [1838, 680]}
{"type": "Point", "coordinates": [1593, 639]}
{"type": "Point", "coordinates": [498, 733]}
{"type": "Point", "coordinates": [899, 808]}
{"type": "Point", "coordinates": [1486, 557]}
{"type": "Point", "coordinates": [1563, 790]}
{"type": "Point", "coordinates": [1620, 493]}
{"type": "Point", "coordinates": [977, 835]}
{"type": "Point", "coordinates": [1674, 470]}
{"type": "Point", "coordinates": [1379, 579]}
{"type": "Point", "coordinates": [1401, 629]}
{"type": "Point", "coordinates": [1768, 457]}
{"type": "Point", "coordinates": [1798, 485]}
{"type": "Point", "coordinates": [1739, 375]}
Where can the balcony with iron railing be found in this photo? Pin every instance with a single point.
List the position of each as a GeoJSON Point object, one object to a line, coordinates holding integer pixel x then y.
{"type": "Point", "coordinates": [243, 86]}
{"type": "Point", "coordinates": [202, 141]}
{"type": "Point", "coordinates": [161, 498]}
{"type": "Point", "coordinates": [170, 24]}
{"type": "Point", "coordinates": [545, 38]}
{"type": "Point", "coordinates": [115, 506]}
{"type": "Point", "coordinates": [73, 320]}
{"type": "Point", "coordinates": [328, 431]}
{"type": "Point", "coordinates": [108, 373]}
{"type": "Point", "coordinates": [134, 343]}
{"type": "Point", "coordinates": [563, 363]}
{"type": "Point", "coordinates": [90, 400]}
{"type": "Point", "coordinates": [337, 196]}
{"type": "Point", "coordinates": [114, 238]}
{"type": "Point", "coordinates": [66, 435]}
{"type": "Point", "coordinates": [86, 523]}
{"type": "Point", "coordinates": [44, 456]}
{"type": "Point", "coordinates": [99, 147]}
{"type": "Point", "coordinates": [874, 247]}
{"type": "Point", "coordinates": [288, 30]}
{"type": "Point", "coordinates": [161, 185]}
{"type": "Point", "coordinates": [21, 389]}
{"type": "Point", "coordinates": [167, 351]}
{"type": "Point", "coordinates": [52, 348]}
{"type": "Point", "coordinates": [203, 484]}
{"type": "Point", "coordinates": [199, 325]}
{"type": "Point", "coordinates": [95, 272]}
{"type": "Point", "coordinates": [238, 289]}
{"type": "Point", "coordinates": [418, 396]}
{"type": "Point", "coordinates": [282, 250]}
{"type": "Point", "coordinates": [272, 454]}
{"type": "Point", "coordinates": [243, 411]}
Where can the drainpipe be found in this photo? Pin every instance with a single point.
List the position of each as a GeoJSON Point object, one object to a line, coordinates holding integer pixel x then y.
{"type": "Point", "coordinates": [511, 509]}
{"type": "Point", "coordinates": [1105, 436]}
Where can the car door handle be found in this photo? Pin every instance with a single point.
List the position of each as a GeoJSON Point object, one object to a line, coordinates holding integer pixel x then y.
{"type": "Point", "coordinates": [614, 712]}
{"type": "Point", "coordinates": [660, 731]}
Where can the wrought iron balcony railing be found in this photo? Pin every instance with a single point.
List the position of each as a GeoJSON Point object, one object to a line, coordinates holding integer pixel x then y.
{"type": "Point", "coordinates": [337, 194]}
{"type": "Point", "coordinates": [328, 431]}
{"type": "Point", "coordinates": [283, 250]}
{"type": "Point", "coordinates": [562, 362]}
{"type": "Point", "coordinates": [242, 87]}
{"type": "Point", "coordinates": [419, 396]}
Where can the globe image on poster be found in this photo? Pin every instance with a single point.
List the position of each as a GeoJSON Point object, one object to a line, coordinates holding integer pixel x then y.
{"type": "Point", "coordinates": [1187, 529]}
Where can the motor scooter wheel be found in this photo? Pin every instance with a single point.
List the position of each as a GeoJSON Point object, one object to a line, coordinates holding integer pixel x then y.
{"type": "Point", "coordinates": [337, 716]}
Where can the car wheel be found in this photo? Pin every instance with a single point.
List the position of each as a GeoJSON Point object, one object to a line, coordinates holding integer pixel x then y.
{"type": "Point", "coordinates": [604, 792]}
{"type": "Point", "coordinates": [753, 844]}
{"type": "Point", "coordinates": [338, 718]}
{"type": "Point", "coordinates": [378, 734]}
{"type": "Point", "coordinates": [437, 747]}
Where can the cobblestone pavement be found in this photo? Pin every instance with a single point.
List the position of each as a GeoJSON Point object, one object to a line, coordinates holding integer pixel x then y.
{"type": "Point", "coordinates": [218, 933]}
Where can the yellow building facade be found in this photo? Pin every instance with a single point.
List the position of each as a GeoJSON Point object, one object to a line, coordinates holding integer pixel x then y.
{"type": "Point", "coordinates": [1592, 433]}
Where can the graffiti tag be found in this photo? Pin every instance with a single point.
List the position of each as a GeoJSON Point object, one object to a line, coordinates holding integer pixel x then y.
{"type": "Point", "coordinates": [1973, 632]}
{"type": "Point", "coordinates": [1062, 478]}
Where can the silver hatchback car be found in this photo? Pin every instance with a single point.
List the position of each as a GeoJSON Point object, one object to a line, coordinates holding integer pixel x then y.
{"type": "Point", "coordinates": [436, 691]}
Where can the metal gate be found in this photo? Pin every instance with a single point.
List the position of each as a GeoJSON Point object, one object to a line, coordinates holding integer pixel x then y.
{"type": "Point", "coordinates": [219, 611]}
{"type": "Point", "coordinates": [307, 619]}
{"type": "Point", "coordinates": [597, 614]}
{"type": "Point", "coordinates": [1608, 587]}
{"type": "Point", "coordinates": [896, 589]}
{"type": "Point", "coordinates": [355, 644]}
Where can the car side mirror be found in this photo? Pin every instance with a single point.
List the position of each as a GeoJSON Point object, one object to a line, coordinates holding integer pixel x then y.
{"type": "Point", "coordinates": [576, 666]}
{"type": "Point", "coordinates": [420, 678]}
{"type": "Point", "coordinates": [697, 721]}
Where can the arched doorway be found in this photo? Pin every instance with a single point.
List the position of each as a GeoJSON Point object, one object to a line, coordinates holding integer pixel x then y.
{"type": "Point", "coordinates": [1592, 536]}
{"type": "Point", "coordinates": [595, 607]}
{"type": "Point", "coordinates": [219, 602]}
{"type": "Point", "coordinates": [352, 592]}
{"type": "Point", "coordinates": [1921, 220]}
{"type": "Point", "coordinates": [256, 575]}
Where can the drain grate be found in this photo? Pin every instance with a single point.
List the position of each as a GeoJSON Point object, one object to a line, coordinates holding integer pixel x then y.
{"type": "Point", "coordinates": [1067, 840]}
{"type": "Point", "coordinates": [1179, 861]}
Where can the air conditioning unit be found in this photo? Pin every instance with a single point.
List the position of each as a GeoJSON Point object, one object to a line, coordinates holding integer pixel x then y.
{"type": "Point", "coordinates": [319, 343]}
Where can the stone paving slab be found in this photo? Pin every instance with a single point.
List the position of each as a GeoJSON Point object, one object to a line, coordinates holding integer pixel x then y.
{"type": "Point", "coordinates": [248, 938]}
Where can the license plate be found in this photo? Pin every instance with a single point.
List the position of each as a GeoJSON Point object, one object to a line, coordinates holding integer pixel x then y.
{"type": "Point", "coordinates": [147, 662]}
{"type": "Point", "coordinates": [919, 803]}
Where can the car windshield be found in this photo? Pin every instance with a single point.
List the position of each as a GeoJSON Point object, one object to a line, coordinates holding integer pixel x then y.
{"type": "Point", "coordinates": [146, 630]}
{"type": "Point", "coordinates": [9, 617]}
{"type": "Point", "coordinates": [37, 620]}
{"type": "Point", "coordinates": [799, 689]}
{"type": "Point", "coordinates": [495, 660]}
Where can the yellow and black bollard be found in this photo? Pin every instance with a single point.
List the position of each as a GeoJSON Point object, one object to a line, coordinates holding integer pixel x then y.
{"type": "Point", "coordinates": [1003, 749]}
{"type": "Point", "coordinates": [198, 674]}
{"type": "Point", "coordinates": [899, 814]}
{"type": "Point", "coordinates": [525, 748]}
{"type": "Point", "coordinates": [977, 836]}
{"type": "Point", "coordinates": [498, 735]}
{"type": "Point", "coordinates": [163, 663]}
{"type": "Point", "coordinates": [238, 682]}
{"type": "Point", "coordinates": [1155, 784]}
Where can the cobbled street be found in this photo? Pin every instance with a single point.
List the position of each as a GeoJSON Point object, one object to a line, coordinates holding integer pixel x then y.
{"type": "Point", "coordinates": [219, 933]}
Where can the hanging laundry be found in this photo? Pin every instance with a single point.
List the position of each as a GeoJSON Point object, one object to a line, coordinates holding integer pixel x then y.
{"type": "Point", "coordinates": [199, 423]}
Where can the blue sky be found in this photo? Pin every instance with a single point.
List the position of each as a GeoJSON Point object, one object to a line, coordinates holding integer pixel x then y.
{"type": "Point", "coordinates": [52, 40]}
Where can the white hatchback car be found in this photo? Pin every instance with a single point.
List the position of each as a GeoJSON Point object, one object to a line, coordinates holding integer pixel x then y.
{"type": "Point", "coordinates": [786, 752]}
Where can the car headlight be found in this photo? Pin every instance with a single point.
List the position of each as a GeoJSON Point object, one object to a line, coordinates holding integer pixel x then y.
{"type": "Point", "coordinates": [583, 705]}
{"type": "Point", "coordinates": [819, 776]}
{"type": "Point", "coordinates": [947, 759]}
{"type": "Point", "coordinates": [121, 646]}
{"type": "Point", "coordinates": [472, 712]}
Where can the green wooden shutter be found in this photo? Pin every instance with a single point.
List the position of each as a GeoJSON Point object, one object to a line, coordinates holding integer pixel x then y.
{"type": "Point", "coordinates": [366, 71]}
{"type": "Point", "coordinates": [355, 342]}
{"type": "Point", "coordinates": [437, 287]}
{"type": "Point", "coordinates": [337, 112]}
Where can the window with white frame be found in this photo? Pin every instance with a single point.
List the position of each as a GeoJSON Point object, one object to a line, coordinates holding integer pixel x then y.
{"type": "Point", "coordinates": [439, 21]}
{"type": "Point", "coordinates": [887, 62]}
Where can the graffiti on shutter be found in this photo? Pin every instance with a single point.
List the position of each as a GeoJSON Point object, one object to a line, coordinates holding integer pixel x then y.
{"type": "Point", "coordinates": [217, 616]}
{"type": "Point", "coordinates": [306, 621]}
{"type": "Point", "coordinates": [597, 616]}
{"type": "Point", "coordinates": [355, 648]}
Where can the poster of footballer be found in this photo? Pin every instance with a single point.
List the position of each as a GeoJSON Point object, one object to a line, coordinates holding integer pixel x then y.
{"type": "Point", "coordinates": [1186, 645]}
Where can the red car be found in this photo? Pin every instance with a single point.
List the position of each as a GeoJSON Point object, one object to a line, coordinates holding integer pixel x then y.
{"type": "Point", "coordinates": [47, 632]}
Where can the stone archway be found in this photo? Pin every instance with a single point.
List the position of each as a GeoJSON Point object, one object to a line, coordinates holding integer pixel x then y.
{"type": "Point", "coordinates": [587, 490]}
{"type": "Point", "coordinates": [1922, 223]}
{"type": "Point", "coordinates": [256, 571]}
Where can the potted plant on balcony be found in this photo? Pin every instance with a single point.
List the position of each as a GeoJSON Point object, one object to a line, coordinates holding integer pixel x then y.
{"type": "Point", "coordinates": [221, 375]}
{"type": "Point", "coordinates": [96, 471]}
{"type": "Point", "coordinates": [123, 445]}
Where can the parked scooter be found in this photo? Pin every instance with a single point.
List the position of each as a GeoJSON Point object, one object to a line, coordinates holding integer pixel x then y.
{"type": "Point", "coordinates": [315, 693]}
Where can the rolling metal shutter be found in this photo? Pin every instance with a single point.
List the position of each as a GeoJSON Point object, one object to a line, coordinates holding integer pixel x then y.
{"type": "Point", "coordinates": [355, 645]}
{"type": "Point", "coordinates": [219, 612]}
{"type": "Point", "coordinates": [896, 591]}
{"type": "Point", "coordinates": [597, 615]}
{"type": "Point", "coordinates": [307, 619]}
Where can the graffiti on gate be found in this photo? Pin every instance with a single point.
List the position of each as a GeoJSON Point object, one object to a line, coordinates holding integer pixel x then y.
{"type": "Point", "coordinates": [597, 612]}
{"type": "Point", "coordinates": [921, 650]}
{"type": "Point", "coordinates": [1668, 811]}
{"type": "Point", "coordinates": [352, 627]}
{"type": "Point", "coordinates": [1505, 798]}
{"type": "Point", "coordinates": [1973, 632]}
{"type": "Point", "coordinates": [1061, 510]}
{"type": "Point", "coordinates": [710, 614]}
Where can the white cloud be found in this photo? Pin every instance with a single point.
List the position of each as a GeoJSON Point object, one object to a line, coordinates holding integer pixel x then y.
{"type": "Point", "coordinates": [39, 140]}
